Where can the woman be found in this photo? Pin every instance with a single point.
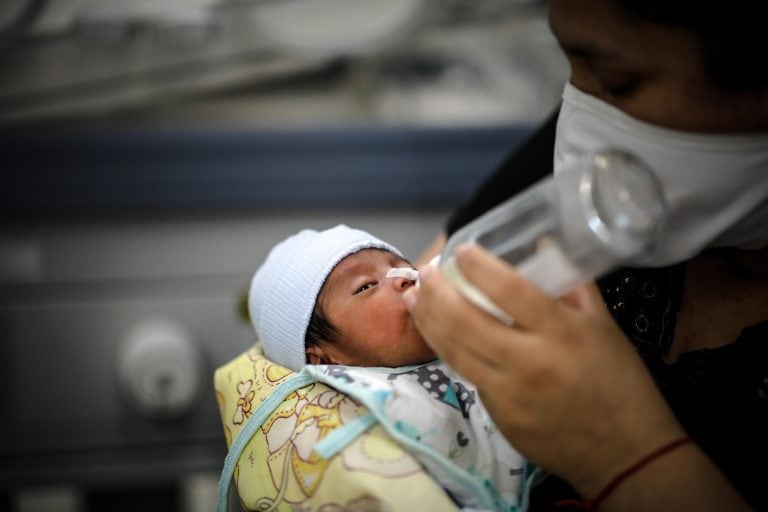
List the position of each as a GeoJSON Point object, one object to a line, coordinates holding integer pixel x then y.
{"type": "Point", "coordinates": [684, 430]}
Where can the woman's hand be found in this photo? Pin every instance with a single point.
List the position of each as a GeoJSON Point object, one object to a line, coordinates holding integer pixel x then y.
{"type": "Point", "coordinates": [563, 384]}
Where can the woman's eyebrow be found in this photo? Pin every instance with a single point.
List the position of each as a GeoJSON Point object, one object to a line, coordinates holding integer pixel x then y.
{"type": "Point", "coordinates": [588, 51]}
{"type": "Point", "coordinates": [571, 45]}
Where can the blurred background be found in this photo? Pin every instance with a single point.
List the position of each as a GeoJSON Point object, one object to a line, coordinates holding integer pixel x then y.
{"type": "Point", "coordinates": [153, 151]}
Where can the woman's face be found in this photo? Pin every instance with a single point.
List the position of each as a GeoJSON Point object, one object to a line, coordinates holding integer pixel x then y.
{"type": "Point", "coordinates": [369, 313]}
{"type": "Point", "coordinates": [651, 72]}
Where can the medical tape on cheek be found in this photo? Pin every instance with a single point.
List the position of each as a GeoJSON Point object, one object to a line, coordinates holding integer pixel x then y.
{"type": "Point", "coordinates": [405, 272]}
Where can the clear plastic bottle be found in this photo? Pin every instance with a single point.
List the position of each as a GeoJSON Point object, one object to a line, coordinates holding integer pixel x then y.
{"type": "Point", "coordinates": [603, 210]}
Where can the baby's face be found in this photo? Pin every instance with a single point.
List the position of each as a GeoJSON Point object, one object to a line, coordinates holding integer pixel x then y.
{"type": "Point", "coordinates": [369, 313]}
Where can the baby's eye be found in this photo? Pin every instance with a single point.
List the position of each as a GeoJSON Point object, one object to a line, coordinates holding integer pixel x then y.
{"type": "Point", "coordinates": [366, 286]}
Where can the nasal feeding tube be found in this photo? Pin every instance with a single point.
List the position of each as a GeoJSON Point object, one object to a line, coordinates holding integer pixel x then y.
{"type": "Point", "coordinates": [599, 211]}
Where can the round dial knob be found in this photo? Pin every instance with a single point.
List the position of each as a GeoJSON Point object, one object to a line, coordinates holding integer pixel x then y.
{"type": "Point", "coordinates": [160, 369]}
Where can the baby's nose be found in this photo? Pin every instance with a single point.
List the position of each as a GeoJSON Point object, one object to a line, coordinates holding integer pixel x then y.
{"type": "Point", "coordinates": [401, 283]}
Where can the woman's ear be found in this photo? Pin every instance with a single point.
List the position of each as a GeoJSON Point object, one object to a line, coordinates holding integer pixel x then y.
{"type": "Point", "coordinates": [316, 354]}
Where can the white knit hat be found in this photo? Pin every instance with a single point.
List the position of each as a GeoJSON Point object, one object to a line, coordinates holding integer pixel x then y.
{"type": "Point", "coordinates": [284, 289]}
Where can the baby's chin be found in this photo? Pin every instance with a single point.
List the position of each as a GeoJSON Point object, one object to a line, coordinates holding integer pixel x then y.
{"type": "Point", "coordinates": [414, 348]}
{"type": "Point", "coordinates": [412, 335]}
{"type": "Point", "coordinates": [422, 353]}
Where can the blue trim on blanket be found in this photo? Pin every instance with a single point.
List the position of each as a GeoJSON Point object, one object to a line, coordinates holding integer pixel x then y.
{"type": "Point", "coordinates": [266, 408]}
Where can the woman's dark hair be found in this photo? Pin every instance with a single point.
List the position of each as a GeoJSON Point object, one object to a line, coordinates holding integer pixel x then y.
{"type": "Point", "coordinates": [320, 329]}
{"type": "Point", "coordinates": [732, 36]}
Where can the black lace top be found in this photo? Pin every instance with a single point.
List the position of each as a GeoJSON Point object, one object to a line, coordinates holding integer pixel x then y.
{"type": "Point", "coordinates": [719, 395]}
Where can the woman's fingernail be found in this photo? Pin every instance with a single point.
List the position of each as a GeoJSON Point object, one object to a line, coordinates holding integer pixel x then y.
{"type": "Point", "coordinates": [462, 249]}
{"type": "Point", "coordinates": [410, 297]}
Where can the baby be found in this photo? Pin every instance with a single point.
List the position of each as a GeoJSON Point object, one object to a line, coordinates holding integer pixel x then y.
{"type": "Point", "coordinates": [324, 298]}
{"type": "Point", "coordinates": [334, 298]}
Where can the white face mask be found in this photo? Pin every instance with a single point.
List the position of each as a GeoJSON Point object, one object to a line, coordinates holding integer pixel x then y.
{"type": "Point", "coordinates": [716, 186]}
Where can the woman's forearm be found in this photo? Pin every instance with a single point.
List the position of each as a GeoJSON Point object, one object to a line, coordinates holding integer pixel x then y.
{"type": "Point", "coordinates": [684, 479]}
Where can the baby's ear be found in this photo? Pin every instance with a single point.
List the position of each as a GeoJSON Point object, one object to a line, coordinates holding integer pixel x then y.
{"type": "Point", "coordinates": [316, 355]}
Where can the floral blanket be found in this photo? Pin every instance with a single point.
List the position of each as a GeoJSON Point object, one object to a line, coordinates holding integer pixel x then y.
{"type": "Point", "coordinates": [279, 470]}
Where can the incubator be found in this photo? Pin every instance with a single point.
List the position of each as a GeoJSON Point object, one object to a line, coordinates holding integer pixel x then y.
{"type": "Point", "coordinates": [603, 210]}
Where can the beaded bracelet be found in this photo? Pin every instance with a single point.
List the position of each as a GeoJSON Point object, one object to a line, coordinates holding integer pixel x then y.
{"type": "Point", "coordinates": [623, 475]}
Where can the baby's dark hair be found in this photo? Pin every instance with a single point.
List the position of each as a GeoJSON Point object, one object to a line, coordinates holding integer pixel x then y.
{"type": "Point", "coordinates": [732, 37]}
{"type": "Point", "coordinates": [320, 329]}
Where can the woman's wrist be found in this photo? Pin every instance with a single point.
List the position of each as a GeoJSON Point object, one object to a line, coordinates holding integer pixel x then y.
{"type": "Point", "coordinates": [627, 473]}
{"type": "Point", "coordinates": [674, 476]}
{"type": "Point", "coordinates": [683, 479]}
{"type": "Point", "coordinates": [623, 447]}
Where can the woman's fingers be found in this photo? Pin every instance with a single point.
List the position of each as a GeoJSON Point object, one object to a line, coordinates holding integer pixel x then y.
{"type": "Point", "coordinates": [451, 325]}
{"type": "Point", "coordinates": [563, 362]}
{"type": "Point", "coordinates": [586, 298]}
{"type": "Point", "coordinates": [518, 297]}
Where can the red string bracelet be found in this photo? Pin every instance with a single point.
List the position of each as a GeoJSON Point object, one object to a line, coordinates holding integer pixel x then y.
{"type": "Point", "coordinates": [619, 478]}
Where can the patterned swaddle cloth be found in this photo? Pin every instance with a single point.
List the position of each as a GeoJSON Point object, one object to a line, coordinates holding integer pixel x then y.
{"type": "Point", "coordinates": [437, 416]}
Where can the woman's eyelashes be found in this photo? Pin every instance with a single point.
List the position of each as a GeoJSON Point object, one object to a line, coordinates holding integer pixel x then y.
{"type": "Point", "coordinates": [617, 85]}
{"type": "Point", "coordinates": [613, 83]}
{"type": "Point", "coordinates": [620, 90]}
